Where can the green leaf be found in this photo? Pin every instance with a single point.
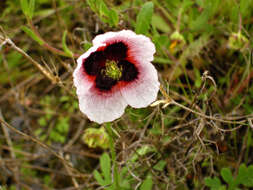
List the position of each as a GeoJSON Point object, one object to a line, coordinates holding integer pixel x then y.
{"type": "Point", "coordinates": [27, 7]}
{"type": "Point", "coordinates": [241, 174]}
{"type": "Point", "coordinates": [160, 165]}
{"type": "Point", "coordinates": [108, 15]}
{"type": "Point", "coordinates": [198, 80]}
{"type": "Point", "coordinates": [124, 181]}
{"type": "Point", "coordinates": [147, 184]}
{"type": "Point", "coordinates": [24, 7]}
{"type": "Point", "coordinates": [14, 60]}
{"type": "Point", "coordinates": [30, 33]}
{"type": "Point", "coordinates": [42, 121]}
{"type": "Point", "coordinates": [64, 45]}
{"type": "Point", "coordinates": [141, 152]}
{"type": "Point", "coordinates": [235, 11]}
{"type": "Point", "coordinates": [144, 18]}
{"type": "Point", "coordinates": [92, 4]}
{"type": "Point", "coordinates": [160, 24]}
{"type": "Point", "coordinates": [105, 164]}
{"type": "Point", "coordinates": [162, 60]}
{"type": "Point", "coordinates": [64, 98]}
{"type": "Point", "coordinates": [103, 9]}
{"type": "Point", "coordinates": [37, 132]}
{"type": "Point", "coordinates": [57, 137]}
{"type": "Point", "coordinates": [99, 178]}
{"type": "Point", "coordinates": [245, 6]}
{"type": "Point", "coordinates": [87, 45]}
{"type": "Point", "coordinates": [250, 175]}
{"type": "Point", "coordinates": [201, 22]}
{"type": "Point", "coordinates": [213, 182]}
{"type": "Point", "coordinates": [228, 177]}
{"type": "Point", "coordinates": [31, 9]}
{"type": "Point", "coordinates": [62, 125]}
{"type": "Point", "coordinates": [245, 175]}
{"type": "Point", "coordinates": [113, 15]}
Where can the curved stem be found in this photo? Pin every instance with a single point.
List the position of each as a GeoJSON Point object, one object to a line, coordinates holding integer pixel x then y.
{"type": "Point", "coordinates": [48, 46]}
{"type": "Point", "coordinates": [113, 154]}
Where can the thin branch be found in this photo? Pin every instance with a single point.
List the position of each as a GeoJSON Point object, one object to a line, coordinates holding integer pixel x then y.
{"type": "Point", "coordinates": [12, 153]}
{"type": "Point", "coordinates": [74, 181]}
{"type": "Point", "coordinates": [48, 46]}
{"type": "Point", "coordinates": [206, 116]}
{"type": "Point", "coordinates": [42, 145]}
{"type": "Point", "coordinates": [46, 73]}
{"type": "Point", "coordinates": [223, 120]}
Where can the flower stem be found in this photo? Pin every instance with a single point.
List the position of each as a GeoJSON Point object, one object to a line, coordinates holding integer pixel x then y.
{"type": "Point", "coordinates": [113, 154]}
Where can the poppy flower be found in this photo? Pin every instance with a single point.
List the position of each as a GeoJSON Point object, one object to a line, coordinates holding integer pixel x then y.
{"type": "Point", "coordinates": [115, 72]}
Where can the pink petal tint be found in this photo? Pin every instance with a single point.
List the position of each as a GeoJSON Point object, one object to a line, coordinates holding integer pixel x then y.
{"type": "Point", "coordinates": [114, 73]}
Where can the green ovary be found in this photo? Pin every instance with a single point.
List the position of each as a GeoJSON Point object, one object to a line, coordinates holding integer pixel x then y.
{"type": "Point", "coordinates": [112, 70]}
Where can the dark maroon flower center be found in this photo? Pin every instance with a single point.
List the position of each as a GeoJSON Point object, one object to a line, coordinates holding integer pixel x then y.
{"type": "Point", "coordinates": [110, 66]}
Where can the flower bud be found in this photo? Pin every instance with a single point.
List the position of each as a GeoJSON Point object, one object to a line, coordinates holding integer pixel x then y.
{"type": "Point", "coordinates": [237, 41]}
{"type": "Point", "coordinates": [96, 138]}
{"type": "Point", "coordinates": [177, 41]}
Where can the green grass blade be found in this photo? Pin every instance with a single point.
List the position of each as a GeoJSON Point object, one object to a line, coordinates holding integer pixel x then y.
{"type": "Point", "coordinates": [31, 8]}
{"type": "Point", "coordinates": [64, 45]}
{"type": "Point", "coordinates": [30, 33]}
{"type": "Point", "coordinates": [99, 178]}
{"type": "Point", "coordinates": [105, 164]}
{"type": "Point", "coordinates": [144, 18]}
{"type": "Point", "coordinates": [147, 184]}
{"type": "Point", "coordinates": [24, 7]}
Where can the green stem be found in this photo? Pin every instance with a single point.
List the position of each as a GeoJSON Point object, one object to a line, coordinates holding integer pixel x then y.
{"type": "Point", "coordinates": [46, 45]}
{"type": "Point", "coordinates": [113, 154]}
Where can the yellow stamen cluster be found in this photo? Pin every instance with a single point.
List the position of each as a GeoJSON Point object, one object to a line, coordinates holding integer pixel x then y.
{"type": "Point", "coordinates": [112, 70]}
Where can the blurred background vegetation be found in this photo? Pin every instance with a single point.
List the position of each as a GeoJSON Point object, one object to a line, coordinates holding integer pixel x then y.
{"type": "Point", "coordinates": [204, 59]}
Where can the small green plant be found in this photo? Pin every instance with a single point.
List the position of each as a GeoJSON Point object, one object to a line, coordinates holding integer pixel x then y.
{"type": "Point", "coordinates": [107, 15]}
{"type": "Point", "coordinates": [147, 183]}
{"type": "Point", "coordinates": [105, 177]}
{"type": "Point", "coordinates": [244, 178]}
{"type": "Point", "coordinates": [59, 126]}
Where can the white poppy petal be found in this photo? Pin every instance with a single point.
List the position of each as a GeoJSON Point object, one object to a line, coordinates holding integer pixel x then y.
{"type": "Point", "coordinates": [102, 107]}
{"type": "Point", "coordinates": [143, 91]}
{"type": "Point", "coordinates": [140, 47]}
{"type": "Point", "coordinates": [104, 97]}
{"type": "Point", "coordinates": [81, 80]}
